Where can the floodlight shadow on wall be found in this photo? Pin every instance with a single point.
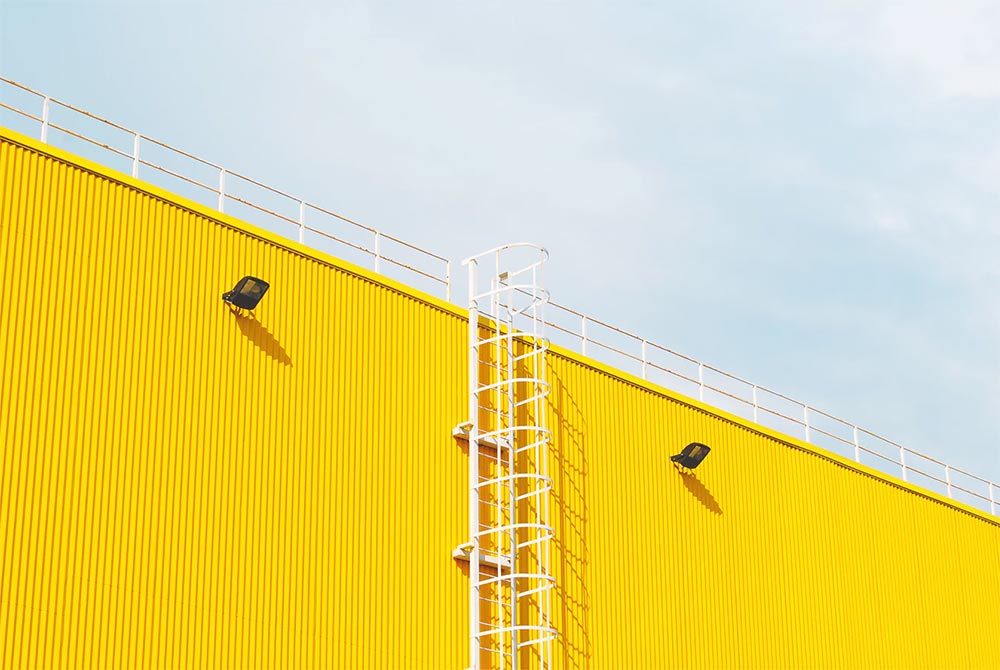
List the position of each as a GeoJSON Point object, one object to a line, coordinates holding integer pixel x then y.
{"type": "Point", "coordinates": [692, 455]}
{"type": "Point", "coordinates": [247, 292]}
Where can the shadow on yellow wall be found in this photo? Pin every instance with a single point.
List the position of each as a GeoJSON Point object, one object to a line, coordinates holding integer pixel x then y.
{"type": "Point", "coordinates": [257, 333]}
{"type": "Point", "coordinates": [699, 491]}
{"type": "Point", "coordinates": [570, 498]}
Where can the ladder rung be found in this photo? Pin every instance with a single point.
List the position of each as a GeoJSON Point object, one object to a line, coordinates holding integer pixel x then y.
{"type": "Point", "coordinates": [537, 540]}
{"type": "Point", "coordinates": [503, 652]}
{"type": "Point", "coordinates": [544, 587]}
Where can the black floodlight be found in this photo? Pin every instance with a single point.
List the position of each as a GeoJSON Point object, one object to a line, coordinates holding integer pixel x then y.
{"type": "Point", "coordinates": [247, 292]}
{"type": "Point", "coordinates": [692, 455]}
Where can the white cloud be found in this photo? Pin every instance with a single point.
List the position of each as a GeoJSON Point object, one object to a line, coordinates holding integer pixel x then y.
{"type": "Point", "coordinates": [948, 49]}
{"type": "Point", "coordinates": [892, 221]}
{"type": "Point", "coordinates": [952, 46]}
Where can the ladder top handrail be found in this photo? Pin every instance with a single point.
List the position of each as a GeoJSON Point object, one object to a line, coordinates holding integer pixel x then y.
{"type": "Point", "coordinates": [505, 247]}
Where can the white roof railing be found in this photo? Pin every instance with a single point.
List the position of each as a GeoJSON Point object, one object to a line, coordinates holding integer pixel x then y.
{"type": "Point", "coordinates": [764, 406]}
{"type": "Point", "coordinates": [61, 124]}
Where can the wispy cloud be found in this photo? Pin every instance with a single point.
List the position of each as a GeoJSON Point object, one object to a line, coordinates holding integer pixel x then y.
{"type": "Point", "coordinates": [949, 49]}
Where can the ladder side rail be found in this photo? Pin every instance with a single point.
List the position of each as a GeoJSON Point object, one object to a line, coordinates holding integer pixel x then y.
{"type": "Point", "coordinates": [511, 488]}
{"type": "Point", "coordinates": [542, 543]}
{"type": "Point", "coordinates": [541, 420]}
{"type": "Point", "coordinates": [474, 588]}
{"type": "Point", "coordinates": [500, 395]}
{"type": "Point", "coordinates": [506, 394]}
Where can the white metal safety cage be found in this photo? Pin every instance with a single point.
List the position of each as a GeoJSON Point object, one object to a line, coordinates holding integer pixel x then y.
{"type": "Point", "coordinates": [509, 550]}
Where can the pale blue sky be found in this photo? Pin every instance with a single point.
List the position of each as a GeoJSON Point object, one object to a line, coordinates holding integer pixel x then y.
{"type": "Point", "coordinates": [804, 194]}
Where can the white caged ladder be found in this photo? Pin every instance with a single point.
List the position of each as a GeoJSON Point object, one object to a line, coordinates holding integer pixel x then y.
{"type": "Point", "coordinates": [509, 550]}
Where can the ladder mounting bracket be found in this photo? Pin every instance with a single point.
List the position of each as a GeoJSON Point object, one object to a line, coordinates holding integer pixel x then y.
{"type": "Point", "coordinates": [463, 552]}
{"type": "Point", "coordinates": [461, 432]}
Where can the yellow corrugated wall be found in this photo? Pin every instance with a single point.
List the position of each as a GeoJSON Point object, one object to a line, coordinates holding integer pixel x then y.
{"type": "Point", "coordinates": [769, 555]}
{"type": "Point", "coordinates": [184, 487]}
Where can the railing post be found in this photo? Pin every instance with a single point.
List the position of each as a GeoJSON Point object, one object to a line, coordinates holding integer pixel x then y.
{"type": "Point", "coordinates": [701, 382]}
{"type": "Point", "coordinates": [135, 155]}
{"type": "Point", "coordinates": [756, 419]}
{"type": "Point", "coordinates": [947, 479]}
{"type": "Point", "coordinates": [378, 251]}
{"type": "Point", "coordinates": [583, 335]}
{"type": "Point", "coordinates": [857, 446]}
{"type": "Point", "coordinates": [222, 190]}
{"type": "Point", "coordinates": [645, 360]}
{"type": "Point", "coordinates": [447, 281]}
{"type": "Point", "coordinates": [302, 221]}
{"type": "Point", "coordinates": [45, 119]}
{"type": "Point", "coordinates": [993, 503]}
{"type": "Point", "coordinates": [902, 463]}
{"type": "Point", "coordinates": [805, 421]}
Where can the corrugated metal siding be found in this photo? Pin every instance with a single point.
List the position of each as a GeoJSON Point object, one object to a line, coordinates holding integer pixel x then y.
{"type": "Point", "coordinates": [766, 556]}
{"type": "Point", "coordinates": [183, 487]}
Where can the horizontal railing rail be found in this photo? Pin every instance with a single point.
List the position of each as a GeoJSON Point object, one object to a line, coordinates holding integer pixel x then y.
{"type": "Point", "coordinates": [214, 185]}
{"type": "Point", "coordinates": [763, 406]}
{"type": "Point", "coordinates": [218, 187]}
